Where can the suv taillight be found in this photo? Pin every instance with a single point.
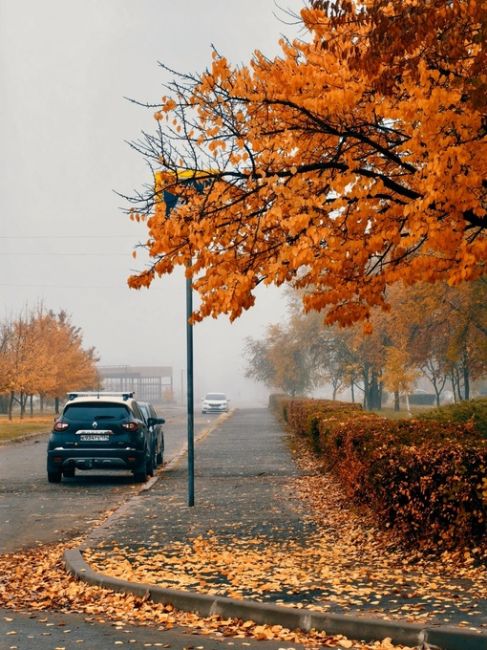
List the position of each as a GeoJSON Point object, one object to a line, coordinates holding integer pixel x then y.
{"type": "Point", "coordinates": [61, 426]}
{"type": "Point", "coordinates": [130, 426]}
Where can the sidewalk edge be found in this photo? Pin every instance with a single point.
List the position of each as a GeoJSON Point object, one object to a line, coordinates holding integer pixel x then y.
{"type": "Point", "coordinates": [366, 629]}
{"type": "Point", "coordinates": [23, 438]}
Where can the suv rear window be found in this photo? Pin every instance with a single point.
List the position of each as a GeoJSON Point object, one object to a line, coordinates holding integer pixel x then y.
{"type": "Point", "coordinates": [96, 412]}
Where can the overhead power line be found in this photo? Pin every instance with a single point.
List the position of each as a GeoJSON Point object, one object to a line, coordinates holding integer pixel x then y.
{"type": "Point", "coordinates": [57, 253]}
{"type": "Point", "coordinates": [66, 237]}
{"type": "Point", "coordinates": [72, 286]}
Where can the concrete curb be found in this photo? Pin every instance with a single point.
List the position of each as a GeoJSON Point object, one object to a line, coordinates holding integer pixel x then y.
{"type": "Point", "coordinates": [366, 629]}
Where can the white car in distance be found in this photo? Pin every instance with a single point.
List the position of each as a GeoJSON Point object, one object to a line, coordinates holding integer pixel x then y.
{"type": "Point", "coordinates": [215, 403]}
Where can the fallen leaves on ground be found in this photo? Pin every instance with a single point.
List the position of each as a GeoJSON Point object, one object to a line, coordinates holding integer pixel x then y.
{"type": "Point", "coordinates": [346, 564]}
{"type": "Point", "coordinates": [36, 580]}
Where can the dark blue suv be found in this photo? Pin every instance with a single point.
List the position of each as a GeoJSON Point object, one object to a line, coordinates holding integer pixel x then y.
{"type": "Point", "coordinates": [100, 430]}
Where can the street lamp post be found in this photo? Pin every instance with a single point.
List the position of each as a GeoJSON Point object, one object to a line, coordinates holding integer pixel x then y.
{"type": "Point", "coordinates": [190, 388]}
{"type": "Point", "coordinates": [171, 201]}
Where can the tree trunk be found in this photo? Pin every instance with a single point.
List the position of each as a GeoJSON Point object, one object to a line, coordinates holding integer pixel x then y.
{"type": "Point", "coordinates": [11, 404]}
{"type": "Point", "coordinates": [365, 375]}
{"type": "Point", "coordinates": [459, 384]}
{"type": "Point", "coordinates": [31, 405]}
{"type": "Point", "coordinates": [373, 399]}
{"type": "Point", "coordinates": [408, 407]}
{"type": "Point", "coordinates": [466, 373]}
{"type": "Point", "coordinates": [352, 386]}
{"type": "Point", "coordinates": [397, 403]}
{"type": "Point", "coordinates": [437, 390]}
{"type": "Point", "coordinates": [455, 387]}
{"type": "Point", "coordinates": [56, 405]}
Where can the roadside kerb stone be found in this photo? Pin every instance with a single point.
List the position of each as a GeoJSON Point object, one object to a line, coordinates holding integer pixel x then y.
{"type": "Point", "coordinates": [290, 617]}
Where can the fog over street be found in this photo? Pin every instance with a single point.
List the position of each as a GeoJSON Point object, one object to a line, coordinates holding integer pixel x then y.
{"type": "Point", "coordinates": [66, 70]}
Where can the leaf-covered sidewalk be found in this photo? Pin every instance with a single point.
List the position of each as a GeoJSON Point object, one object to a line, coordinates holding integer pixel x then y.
{"type": "Point", "coordinates": [266, 530]}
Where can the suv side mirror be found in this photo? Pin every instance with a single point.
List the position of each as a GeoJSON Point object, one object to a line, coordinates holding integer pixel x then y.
{"type": "Point", "coordinates": [152, 421]}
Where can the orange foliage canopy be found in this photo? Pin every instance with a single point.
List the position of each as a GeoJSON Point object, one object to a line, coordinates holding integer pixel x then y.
{"type": "Point", "coordinates": [355, 159]}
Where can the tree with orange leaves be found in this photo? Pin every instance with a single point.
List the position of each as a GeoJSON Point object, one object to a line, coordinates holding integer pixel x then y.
{"type": "Point", "coordinates": [354, 160]}
{"type": "Point", "coordinates": [282, 360]}
{"type": "Point", "coordinates": [41, 353]}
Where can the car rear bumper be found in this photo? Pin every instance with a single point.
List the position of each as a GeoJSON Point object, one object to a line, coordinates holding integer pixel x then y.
{"type": "Point", "coordinates": [94, 458]}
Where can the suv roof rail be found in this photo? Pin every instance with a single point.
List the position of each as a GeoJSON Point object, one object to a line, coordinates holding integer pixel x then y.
{"type": "Point", "coordinates": [100, 393]}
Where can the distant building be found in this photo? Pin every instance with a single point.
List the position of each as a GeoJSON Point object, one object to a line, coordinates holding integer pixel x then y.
{"type": "Point", "coordinates": [149, 383]}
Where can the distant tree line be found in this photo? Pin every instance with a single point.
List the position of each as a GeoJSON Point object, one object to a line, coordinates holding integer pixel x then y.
{"type": "Point", "coordinates": [433, 331]}
{"type": "Point", "coordinates": [42, 355]}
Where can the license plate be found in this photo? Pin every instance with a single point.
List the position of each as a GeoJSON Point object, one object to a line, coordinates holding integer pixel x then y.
{"type": "Point", "coordinates": [94, 437]}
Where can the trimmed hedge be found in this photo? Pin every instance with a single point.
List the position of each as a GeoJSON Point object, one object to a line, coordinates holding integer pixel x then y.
{"type": "Point", "coordinates": [422, 399]}
{"type": "Point", "coordinates": [426, 479]}
{"type": "Point", "coordinates": [278, 403]}
{"type": "Point", "coordinates": [474, 410]}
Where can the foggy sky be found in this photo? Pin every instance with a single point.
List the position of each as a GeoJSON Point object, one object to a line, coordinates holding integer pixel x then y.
{"type": "Point", "coordinates": [65, 68]}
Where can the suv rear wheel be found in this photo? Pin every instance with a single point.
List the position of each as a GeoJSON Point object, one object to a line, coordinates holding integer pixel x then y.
{"type": "Point", "coordinates": [144, 469]}
{"type": "Point", "coordinates": [54, 476]}
{"type": "Point", "coordinates": [151, 465]}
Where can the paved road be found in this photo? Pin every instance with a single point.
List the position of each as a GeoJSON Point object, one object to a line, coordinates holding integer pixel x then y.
{"type": "Point", "coordinates": [56, 631]}
{"type": "Point", "coordinates": [33, 511]}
